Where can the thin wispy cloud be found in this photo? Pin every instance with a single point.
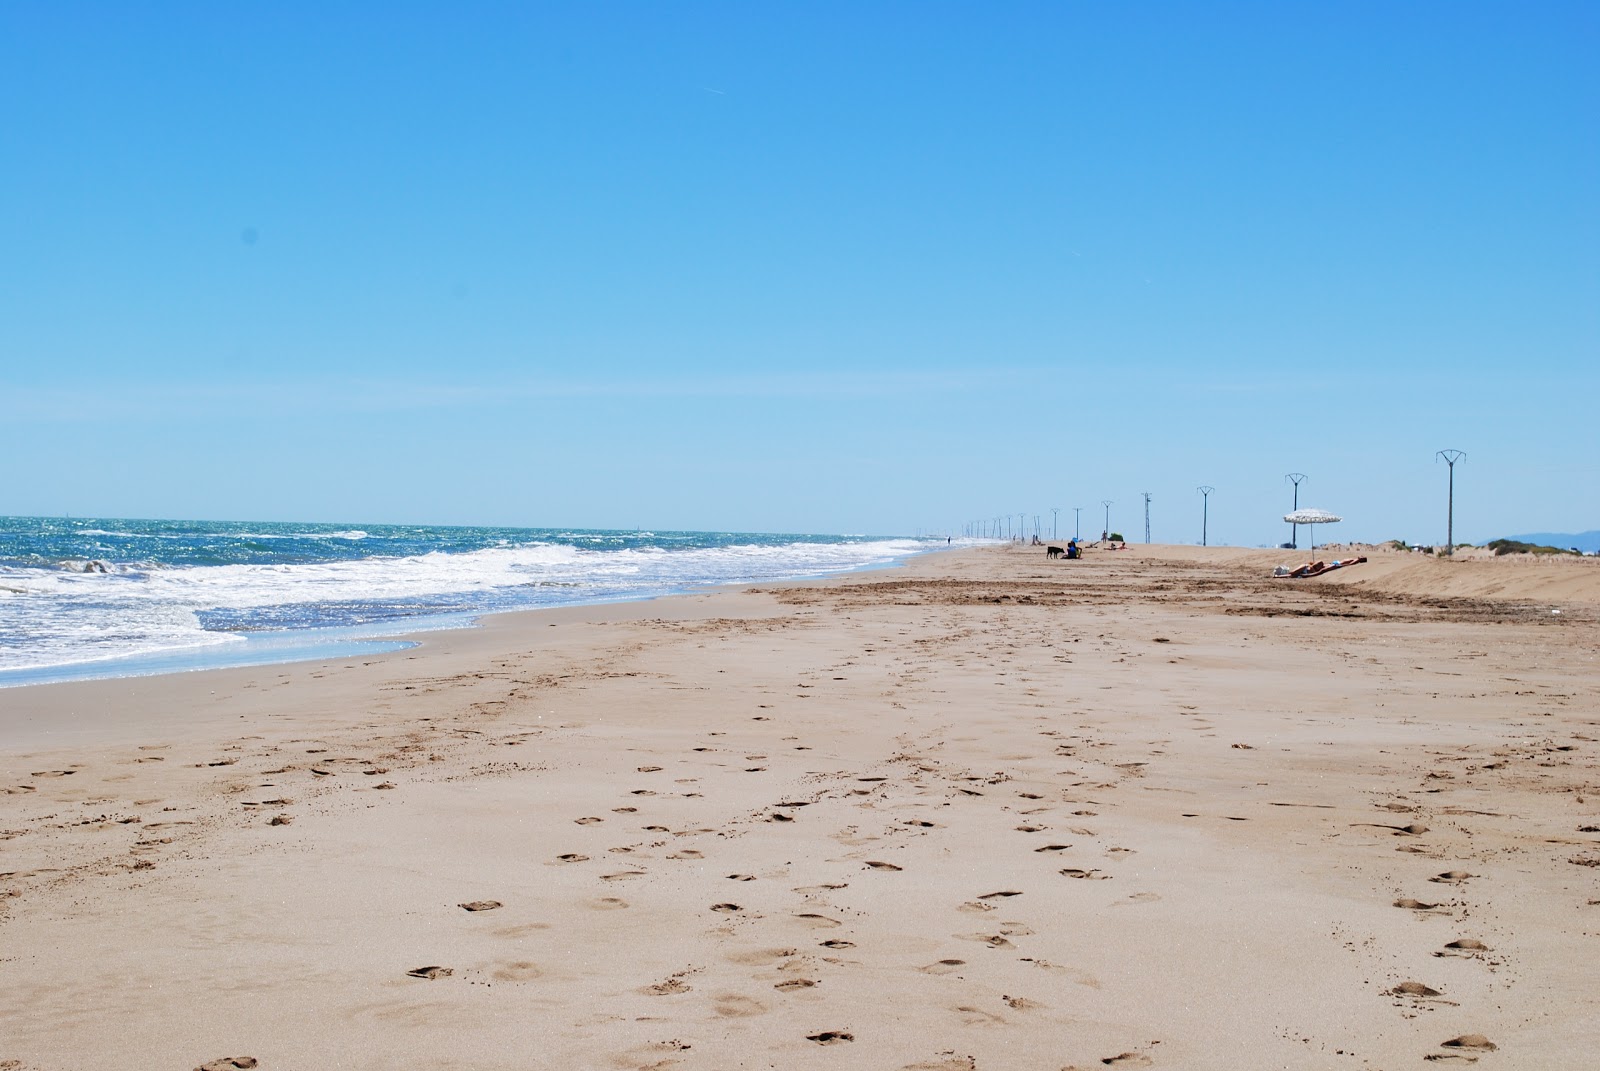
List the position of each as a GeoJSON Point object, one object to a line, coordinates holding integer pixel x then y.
{"type": "Point", "coordinates": [110, 400]}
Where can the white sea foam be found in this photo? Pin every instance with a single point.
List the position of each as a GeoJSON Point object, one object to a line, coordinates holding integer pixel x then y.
{"type": "Point", "coordinates": [62, 616]}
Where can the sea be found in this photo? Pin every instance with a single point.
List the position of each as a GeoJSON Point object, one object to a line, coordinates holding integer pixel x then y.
{"type": "Point", "coordinates": [83, 598]}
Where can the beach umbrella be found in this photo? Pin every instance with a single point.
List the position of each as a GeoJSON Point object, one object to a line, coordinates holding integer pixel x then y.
{"type": "Point", "coordinates": [1311, 517]}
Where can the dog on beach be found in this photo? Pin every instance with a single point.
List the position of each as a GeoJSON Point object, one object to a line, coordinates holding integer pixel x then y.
{"type": "Point", "coordinates": [1054, 552]}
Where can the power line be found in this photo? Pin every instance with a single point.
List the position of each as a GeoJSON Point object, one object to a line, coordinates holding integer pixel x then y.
{"type": "Point", "coordinates": [1450, 458]}
{"type": "Point", "coordinates": [1205, 490]}
{"type": "Point", "coordinates": [1294, 529]}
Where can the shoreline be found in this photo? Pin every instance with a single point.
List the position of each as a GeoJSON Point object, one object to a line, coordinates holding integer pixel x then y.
{"type": "Point", "coordinates": [331, 643]}
{"type": "Point", "coordinates": [1150, 807]}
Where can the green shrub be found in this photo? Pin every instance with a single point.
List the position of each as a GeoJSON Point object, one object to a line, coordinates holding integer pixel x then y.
{"type": "Point", "coordinates": [1513, 546]}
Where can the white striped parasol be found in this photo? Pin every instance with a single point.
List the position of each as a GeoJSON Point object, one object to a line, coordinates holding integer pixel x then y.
{"type": "Point", "coordinates": [1311, 517]}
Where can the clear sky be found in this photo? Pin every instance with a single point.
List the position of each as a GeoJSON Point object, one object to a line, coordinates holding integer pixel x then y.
{"type": "Point", "coordinates": [847, 267]}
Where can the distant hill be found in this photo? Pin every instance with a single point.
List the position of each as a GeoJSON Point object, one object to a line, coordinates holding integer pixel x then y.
{"type": "Point", "coordinates": [1588, 542]}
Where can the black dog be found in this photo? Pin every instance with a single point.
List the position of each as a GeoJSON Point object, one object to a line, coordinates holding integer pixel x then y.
{"type": "Point", "coordinates": [1054, 552]}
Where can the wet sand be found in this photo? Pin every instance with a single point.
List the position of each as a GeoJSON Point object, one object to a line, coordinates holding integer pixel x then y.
{"type": "Point", "coordinates": [1150, 809]}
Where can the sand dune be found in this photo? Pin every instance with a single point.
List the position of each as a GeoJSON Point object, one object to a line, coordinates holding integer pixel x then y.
{"type": "Point", "coordinates": [1150, 809]}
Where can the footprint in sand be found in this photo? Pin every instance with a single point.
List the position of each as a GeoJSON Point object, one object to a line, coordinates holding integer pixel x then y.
{"type": "Point", "coordinates": [1415, 905]}
{"type": "Point", "coordinates": [761, 957]}
{"type": "Point", "coordinates": [228, 1063]}
{"type": "Point", "coordinates": [945, 1061]}
{"type": "Point", "coordinates": [480, 905]}
{"type": "Point", "coordinates": [735, 1006]}
{"type": "Point", "coordinates": [1467, 946]}
{"type": "Point", "coordinates": [1452, 877]}
{"type": "Point", "coordinates": [52, 773]}
{"type": "Point", "coordinates": [943, 966]}
{"type": "Point", "coordinates": [820, 921]}
{"type": "Point", "coordinates": [517, 971]}
{"type": "Point", "coordinates": [971, 1016]}
{"type": "Point", "coordinates": [649, 769]}
{"type": "Point", "coordinates": [837, 944]}
{"type": "Point", "coordinates": [727, 909]}
{"type": "Point", "coordinates": [622, 875]}
{"type": "Point", "coordinates": [993, 940]}
{"type": "Point", "coordinates": [795, 984]}
{"type": "Point", "coordinates": [670, 987]}
{"type": "Point", "coordinates": [572, 857]}
{"type": "Point", "coordinates": [1413, 989]}
{"type": "Point", "coordinates": [1415, 829]}
{"type": "Point", "coordinates": [1029, 829]}
{"type": "Point", "coordinates": [1022, 1003]}
{"type": "Point", "coordinates": [588, 820]}
{"type": "Point", "coordinates": [1127, 1059]}
{"type": "Point", "coordinates": [1053, 848]}
{"type": "Point", "coordinates": [608, 903]}
{"type": "Point", "coordinates": [741, 877]}
{"type": "Point", "coordinates": [1475, 1042]}
{"type": "Point", "coordinates": [831, 1037]}
{"type": "Point", "coordinates": [873, 864]}
{"type": "Point", "coordinates": [687, 853]}
{"type": "Point", "coordinates": [1089, 875]}
{"type": "Point", "coordinates": [430, 973]}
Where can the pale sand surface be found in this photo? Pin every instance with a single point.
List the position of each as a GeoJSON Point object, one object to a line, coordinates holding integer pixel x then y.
{"type": "Point", "coordinates": [1147, 809]}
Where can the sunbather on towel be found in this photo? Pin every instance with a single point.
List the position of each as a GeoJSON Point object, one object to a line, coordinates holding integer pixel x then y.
{"type": "Point", "coordinates": [1316, 568]}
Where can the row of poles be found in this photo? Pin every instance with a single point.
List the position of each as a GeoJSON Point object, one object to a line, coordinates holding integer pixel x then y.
{"type": "Point", "coordinates": [1000, 527]}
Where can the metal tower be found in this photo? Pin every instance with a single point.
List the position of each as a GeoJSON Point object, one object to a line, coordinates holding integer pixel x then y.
{"type": "Point", "coordinates": [1294, 529]}
{"type": "Point", "coordinates": [1450, 458]}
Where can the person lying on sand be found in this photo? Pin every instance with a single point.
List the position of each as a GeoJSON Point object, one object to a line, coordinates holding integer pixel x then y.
{"type": "Point", "coordinates": [1316, 568]}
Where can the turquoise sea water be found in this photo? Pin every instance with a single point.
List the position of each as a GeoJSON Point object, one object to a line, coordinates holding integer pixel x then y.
{"type": "Point", "coordinates": [96, 597]}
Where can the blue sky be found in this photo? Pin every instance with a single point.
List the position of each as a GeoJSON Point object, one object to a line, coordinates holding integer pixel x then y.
{"type": "Point", "coordinates": [821, 267]}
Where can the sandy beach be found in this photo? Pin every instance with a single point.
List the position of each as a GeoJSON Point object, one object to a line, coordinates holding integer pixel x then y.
{"type": "Point", "coordinates": [1148, 809]}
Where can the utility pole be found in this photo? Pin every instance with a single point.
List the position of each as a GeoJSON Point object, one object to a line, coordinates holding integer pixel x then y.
{"type": "Point", "coordinates": [1205, 490]}
{"type": "Point", "coordinates": [1450, 458]}
{"type": "Point", "coordinates": [1054, 512]}
{"type": "Point", "coordinates": [1146, 516]}
{"type": "Point", "coordinates": [1077, 515]}
{"type": "Point", "coordinates": [1294, 529]}
{"type": "Point", "coordinates": [1105, 533]}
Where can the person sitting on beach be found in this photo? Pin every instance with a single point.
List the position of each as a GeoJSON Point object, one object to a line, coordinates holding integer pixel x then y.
{"type": "Point", "coordinates": [1073, 550]}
